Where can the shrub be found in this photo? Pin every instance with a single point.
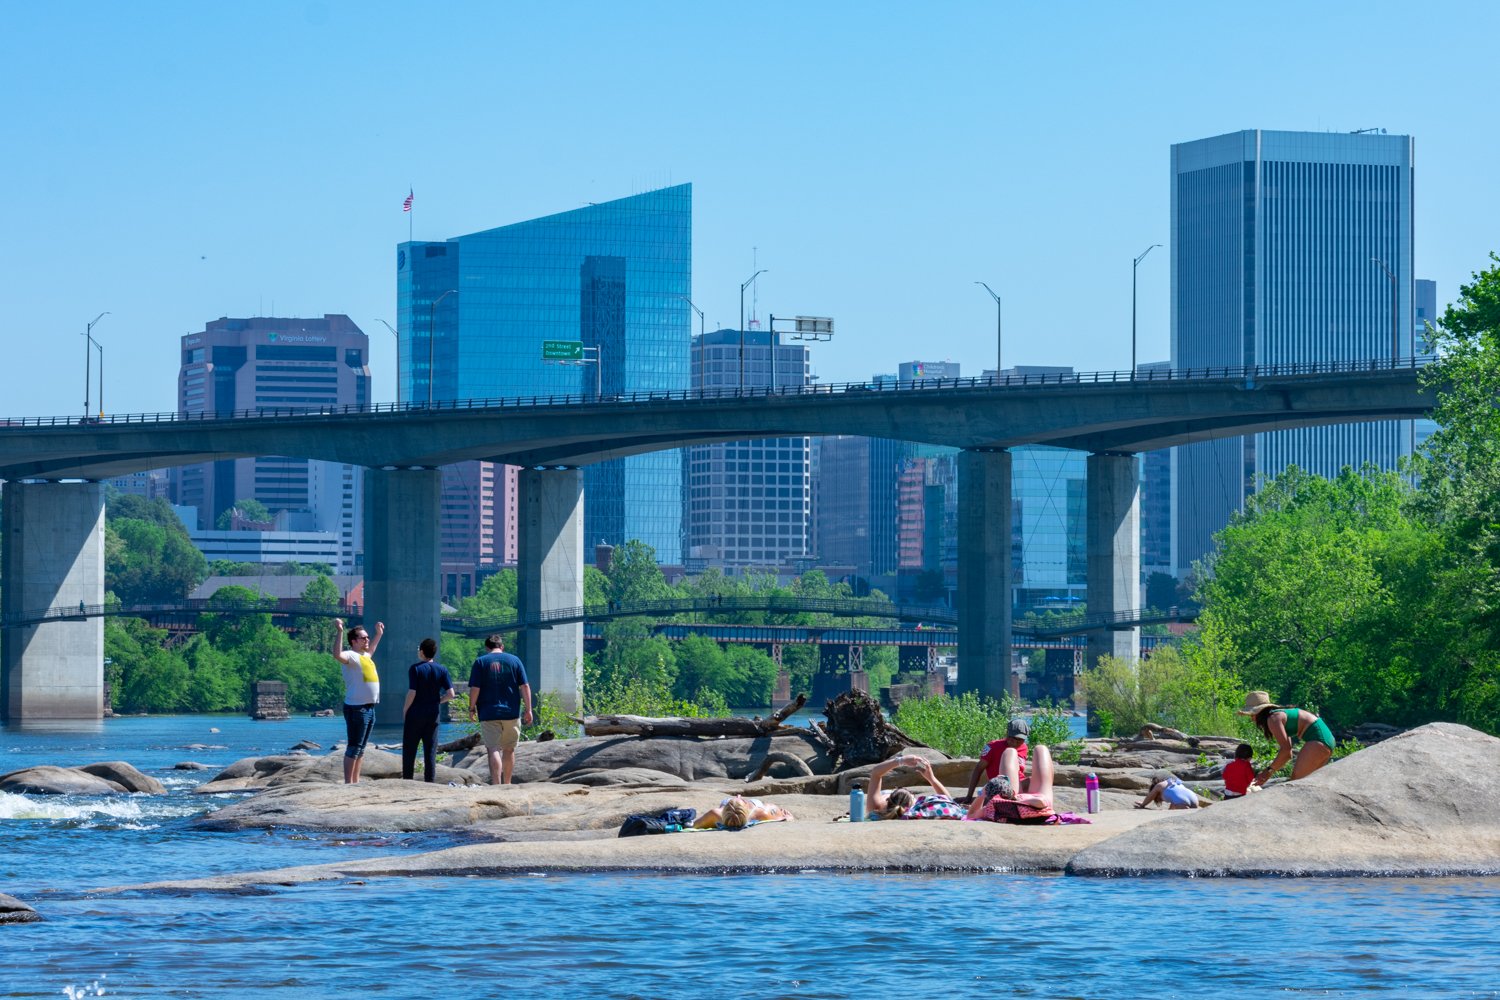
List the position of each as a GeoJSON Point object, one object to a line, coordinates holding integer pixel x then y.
{"type": "Point", "coordinates": [1051, 726]}
{"type": "Point", "coordinates": [960, 727]}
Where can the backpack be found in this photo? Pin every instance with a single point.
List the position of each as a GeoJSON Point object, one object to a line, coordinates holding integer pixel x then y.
{"type": "Point", "coordinates": [670, 821]}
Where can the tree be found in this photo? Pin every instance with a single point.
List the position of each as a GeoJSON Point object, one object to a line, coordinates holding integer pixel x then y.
{"type": "Point", "coordinates": [635, 576]}
{"type": "Point", "coordinates": [148, 562]}
{"type": "Point", "coordinates": [316, 632]}
{"type": "Point", "coordinates": [1459, 493]}
{"type": "Point", "coordinates": [1161, 591]}
{"type": "Point", "coordinates": [1310, 593]}
{"type": "Point", "coordinates": [249, 509]}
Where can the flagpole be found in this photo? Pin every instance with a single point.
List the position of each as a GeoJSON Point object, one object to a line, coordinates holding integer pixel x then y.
{"type": "Point", "coordinates": [410, 216]}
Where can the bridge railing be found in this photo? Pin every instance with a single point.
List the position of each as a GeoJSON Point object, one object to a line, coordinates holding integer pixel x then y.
{"type": "Point", "coordinates": [853, 607]}
{"type": "Point", "coordinates": [1023, 380]}
{"type": "Point", "coordinates": [193, 606]}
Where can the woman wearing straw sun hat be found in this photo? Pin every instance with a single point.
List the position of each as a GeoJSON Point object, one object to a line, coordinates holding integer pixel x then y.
{"type": "Point", "coordinates": [1286, 726]}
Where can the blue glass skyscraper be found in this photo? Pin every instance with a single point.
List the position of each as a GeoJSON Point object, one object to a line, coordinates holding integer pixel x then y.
{"type": "Point", "coordinates": [612, 275]}
{"type": "Point", "coordinates": [1286, 247]}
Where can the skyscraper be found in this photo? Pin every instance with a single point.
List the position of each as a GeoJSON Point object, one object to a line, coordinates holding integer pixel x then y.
{"type": "Point", "coordinates": [748, 502]}
{"type": "Point", "coordinates": [1286, 247]}
{"type": "Point", "coordinates": [275, 363]}
{"type": "Point", "coordinates": [612, 275]}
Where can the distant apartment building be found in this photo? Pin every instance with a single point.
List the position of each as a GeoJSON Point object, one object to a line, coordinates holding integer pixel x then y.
{"type": "Point", "coordinates": [1286, 247]}
{"type": "Point", "coordinates": [748, 503]}
{"type": "Point", "coordinates": [473, 313]}
{"type": "Point", "coordinates": [275, 363]}
{"type": "Point", "coordinates": [150, 484]}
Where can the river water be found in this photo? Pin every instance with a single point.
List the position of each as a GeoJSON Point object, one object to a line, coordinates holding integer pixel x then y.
{"type": "Point", "coordinates": [795, 934]}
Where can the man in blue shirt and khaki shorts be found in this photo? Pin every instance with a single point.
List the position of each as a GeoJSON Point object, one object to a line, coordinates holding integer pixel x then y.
{"type": "Point", "coordinates": [499, 697]}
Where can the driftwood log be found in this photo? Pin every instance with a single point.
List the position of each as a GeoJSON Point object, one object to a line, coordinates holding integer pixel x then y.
{"type": "Point", "coordinates": [858, 734]}
{"type": "Point", "coordinates": [640, 725]}
{"type": "Point", "coordinates": [796, 765]}
{"type": "Point", "coordinates": [1151, 731]}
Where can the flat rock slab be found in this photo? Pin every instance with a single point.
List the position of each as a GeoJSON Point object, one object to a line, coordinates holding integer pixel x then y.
{"type": "Point", "coordinates": [796, 846]}
{"type": "Point", "coordinates": [1426, 802]}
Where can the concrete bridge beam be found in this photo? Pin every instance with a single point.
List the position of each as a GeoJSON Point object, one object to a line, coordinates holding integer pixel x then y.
{"type": "Point", "coordinates": [549, 577]}
{"type": "Point", "coordinates": [1114, 551]}
{"type": "Point", "coordinates": [984, 571]}
{"type": "Point", "coordinates": [402, 582]}
{"type": "Point", "coordinates": [54, 557]}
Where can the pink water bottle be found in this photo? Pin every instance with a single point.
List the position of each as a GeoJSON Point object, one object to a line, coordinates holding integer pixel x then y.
{"type": "Point", "coordinates": [1091, 792]}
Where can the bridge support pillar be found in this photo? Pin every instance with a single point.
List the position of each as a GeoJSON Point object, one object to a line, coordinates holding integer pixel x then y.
{"type": "Point", "coordinates": [54, 557]}
{"type": "Point", "coordinates": [1114, 555]}
{"type": "Point", "coordinates": [549, 577]}
{"type": "Point", "coordinates": [402, 581]}
{"type": "Point", "coordinates": [984, 571]}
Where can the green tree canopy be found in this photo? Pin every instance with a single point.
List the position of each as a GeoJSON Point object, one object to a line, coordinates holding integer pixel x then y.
{"type": "Point", "coordinates": [249, 508]}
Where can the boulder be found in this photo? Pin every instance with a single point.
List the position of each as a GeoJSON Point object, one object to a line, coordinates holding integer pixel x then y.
{"type": "Point", "coordinates": [49, 780]}
{"type": "Point", "coordinates": [306, 745]}
{"type": "Point", "coordinates": [119, 773]}
{"type": "Point", "coordinates": [190, 765]}
{"type": "Point", "coordinates": [254, 773]}
{"type": "Point", "coordinates": [689, 758]}
{"type": "Point", "coordinates": [13, 911]}
{"type": "Point", "coordinates": [1426, 802]}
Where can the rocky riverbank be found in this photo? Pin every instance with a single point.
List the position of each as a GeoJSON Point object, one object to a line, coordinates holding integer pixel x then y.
{"type": "Point", "coordinates": [1423, 803]}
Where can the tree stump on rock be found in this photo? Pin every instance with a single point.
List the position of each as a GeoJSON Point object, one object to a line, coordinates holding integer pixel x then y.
{"type": "Point", "coordinates": [858, 733]}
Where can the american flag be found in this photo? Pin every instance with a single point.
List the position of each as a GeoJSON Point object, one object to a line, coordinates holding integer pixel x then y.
{"type": "Point", "coordinates": [406, 205]}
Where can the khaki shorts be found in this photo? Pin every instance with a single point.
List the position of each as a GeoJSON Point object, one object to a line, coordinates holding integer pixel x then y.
{"type": "Point", "coordinates": [500, 734]}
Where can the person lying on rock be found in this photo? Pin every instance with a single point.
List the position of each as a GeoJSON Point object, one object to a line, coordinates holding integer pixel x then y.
{"type": "Point", "coordinates": [738, 812]}
{"type": "Point", "coordinates": [1016, 734]}
{"type": "Point", "coordinates": [1286, 726]}
{"type": "Point", "coordinates": [1001, 802]}
{"type": "Point", "coordinates": [1174, 793]}
{"type": "Point", "coordinates": [899, 803]}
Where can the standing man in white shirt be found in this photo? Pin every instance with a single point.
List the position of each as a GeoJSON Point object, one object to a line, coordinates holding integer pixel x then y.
{"type": "Point", "coordinates": [361, 690]}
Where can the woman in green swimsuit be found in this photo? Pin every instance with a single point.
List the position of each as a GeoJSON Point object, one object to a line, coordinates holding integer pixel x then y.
{"type": "Point", "coordinates": [1286, 726]}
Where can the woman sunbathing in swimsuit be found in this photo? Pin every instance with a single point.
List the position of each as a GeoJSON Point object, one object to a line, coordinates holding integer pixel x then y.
{"type": "Point", "coordinates": [999, 802]}
{"type": "Point", "coordinates": [1286, 726]}
{"type": "Point", "coordinates": [738, 812]}
{"type": "Point", "coordinates": [898, 803]}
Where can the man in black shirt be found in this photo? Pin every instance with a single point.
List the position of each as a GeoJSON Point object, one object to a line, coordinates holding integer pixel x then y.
{"type": "Point", "coordinates": [428, 686]}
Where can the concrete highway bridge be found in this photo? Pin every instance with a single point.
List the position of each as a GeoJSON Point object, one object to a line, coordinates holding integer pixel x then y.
{"type": "Point", "coordinates": [54, 510]}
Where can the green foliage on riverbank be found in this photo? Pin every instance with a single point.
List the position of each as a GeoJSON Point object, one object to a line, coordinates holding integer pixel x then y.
{"type": "Point", "coordinates": [1372, 596]}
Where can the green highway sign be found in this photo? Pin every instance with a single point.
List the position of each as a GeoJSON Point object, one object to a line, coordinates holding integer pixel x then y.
{"type": "Point", "coordinates": [562, 350]}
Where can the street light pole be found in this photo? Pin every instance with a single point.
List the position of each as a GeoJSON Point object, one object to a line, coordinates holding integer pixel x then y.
{"type": "Point", "coordinates": [88, 339]}
{"type": "Point", "coordinates": [432, 339]}
{"type": "Point", "coordinates": [747, 283]}
{"type": "Point", "coordinates": [696, 310]}
{"type": "Point", "coordinates": [398, 354]}
{"type": "Point", "coordinates": [1395, 317]}
{"type": "Point", "coordinates": [101, 378]}
{"type": "Point", "coordinates": [998, 341]}
{"type": "Point", "coordinates": [1133, 265]}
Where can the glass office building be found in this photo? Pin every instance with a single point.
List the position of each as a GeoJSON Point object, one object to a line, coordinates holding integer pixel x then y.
{"type": "Point", "coordinates": [1285, 248]}
{"type": "Point", "coordinates": [1049, 527]}
{"type": "Point", "coordinates": [613, 275]}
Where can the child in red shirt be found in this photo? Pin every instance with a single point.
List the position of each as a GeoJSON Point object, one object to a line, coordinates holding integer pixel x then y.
{"type": "Point", "coordinates": [1239, 772]}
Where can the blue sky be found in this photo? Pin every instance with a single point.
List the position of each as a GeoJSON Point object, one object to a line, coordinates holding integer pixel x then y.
{"type": "Point", "coordinates": [176, 162]}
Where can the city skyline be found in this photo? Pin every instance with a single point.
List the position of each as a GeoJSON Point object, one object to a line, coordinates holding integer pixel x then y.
{"type": "Point", "coordinates": [877, 169]}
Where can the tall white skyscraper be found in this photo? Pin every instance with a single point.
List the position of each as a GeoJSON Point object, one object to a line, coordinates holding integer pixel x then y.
{"type": "Point", "coordinates": [1286, 247]}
